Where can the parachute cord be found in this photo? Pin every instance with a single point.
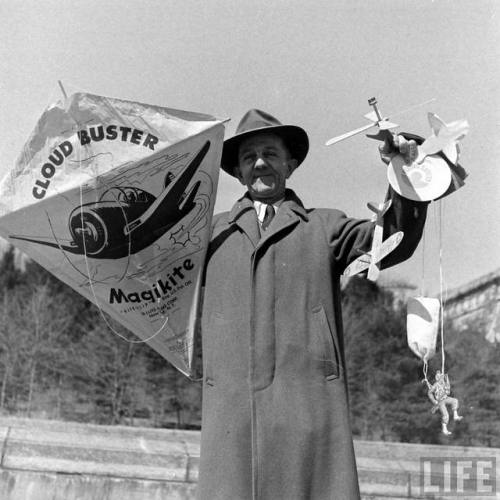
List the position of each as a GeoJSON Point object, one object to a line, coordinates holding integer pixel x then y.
{"type": "Point", "coordinates": [441, 211]}
{"type": "Point", "coordinates": [425, 368]}
{"type": "Point", "coordinates": [91, 283]}
{"type": "Point", "coordinates": [422, 281]}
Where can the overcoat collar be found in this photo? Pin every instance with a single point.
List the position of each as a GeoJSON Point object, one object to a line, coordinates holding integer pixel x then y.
{"type": "Point", "coordinates": [244, 215]}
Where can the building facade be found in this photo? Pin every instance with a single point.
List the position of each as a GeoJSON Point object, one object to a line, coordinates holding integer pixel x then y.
{"type": "Point", "coordinates": [478, 303]}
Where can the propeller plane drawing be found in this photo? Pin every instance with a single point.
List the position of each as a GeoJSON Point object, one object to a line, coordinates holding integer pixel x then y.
{"type": "Point", "coordinates": [125, 220]}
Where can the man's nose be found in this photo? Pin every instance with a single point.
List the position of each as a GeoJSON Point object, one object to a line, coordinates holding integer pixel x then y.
{"type": "Point", "coordinates": [259, 162]}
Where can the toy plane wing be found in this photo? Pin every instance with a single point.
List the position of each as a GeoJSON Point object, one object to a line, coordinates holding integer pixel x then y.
{"type": "Point", "coordinates": [379, 210]}
{"type": "Point", "coordinates": [362, 263]}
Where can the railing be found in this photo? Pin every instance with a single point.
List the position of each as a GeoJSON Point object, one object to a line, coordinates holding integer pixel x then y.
{"type": "Point", "coordinates": [47, 460]}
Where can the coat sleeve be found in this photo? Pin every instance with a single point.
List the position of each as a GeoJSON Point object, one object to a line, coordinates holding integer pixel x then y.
{"type": "Point", "coordinates": [350, 238]}
{"type": "Point", "coordinates": [407, 216]}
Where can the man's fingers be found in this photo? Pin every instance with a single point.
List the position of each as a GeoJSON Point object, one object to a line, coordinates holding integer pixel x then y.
{"type": "Point", "coordinates": [408, 149]}
{"type": "Point", "coordinates": [397, 144]}
{"type": "Point", "coordinates": [389, 144]}
{"type": "Point", "coordinates": [413, 151]}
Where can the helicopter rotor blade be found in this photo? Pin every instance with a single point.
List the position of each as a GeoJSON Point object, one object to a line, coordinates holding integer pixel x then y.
{"type": "Point", "coordinates": [339, 138]}
{"type": "Point", "coordinates": [386, 125]}
{"type": "Point", "coordinates": [415, 106]}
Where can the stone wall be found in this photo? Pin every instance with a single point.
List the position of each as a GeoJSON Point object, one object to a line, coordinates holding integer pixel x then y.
{"type": "Point", "coordinates": [49, 460]}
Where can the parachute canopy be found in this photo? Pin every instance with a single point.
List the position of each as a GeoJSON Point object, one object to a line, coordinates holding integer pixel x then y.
{"type": "Point", "coordinates": [422, 326]}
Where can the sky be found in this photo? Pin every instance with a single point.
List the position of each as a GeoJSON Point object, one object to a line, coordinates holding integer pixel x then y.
{"type": "Point", "coordinates": [312, 64]}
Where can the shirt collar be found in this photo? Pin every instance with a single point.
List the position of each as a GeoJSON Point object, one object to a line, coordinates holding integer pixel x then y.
{"type": "Point", "coordinates": [245, 203]}
{"type": "Point", "coordinates": [260, 208]}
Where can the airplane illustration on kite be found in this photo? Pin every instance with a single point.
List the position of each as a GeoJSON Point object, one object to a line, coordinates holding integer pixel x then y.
{"type": "Point", "coordinates": [125, 220]}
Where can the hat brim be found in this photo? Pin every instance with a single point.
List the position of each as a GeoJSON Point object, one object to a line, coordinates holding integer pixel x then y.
{"type": "Point", "coordinates": [295, 138]}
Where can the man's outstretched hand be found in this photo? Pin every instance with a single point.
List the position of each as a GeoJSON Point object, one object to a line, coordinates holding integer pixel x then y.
{"type": "Point", "coordinates": [396, 144]}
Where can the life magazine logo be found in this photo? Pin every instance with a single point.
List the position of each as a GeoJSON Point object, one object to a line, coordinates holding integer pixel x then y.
{"type": "Point", "coordinates": [458, 477]}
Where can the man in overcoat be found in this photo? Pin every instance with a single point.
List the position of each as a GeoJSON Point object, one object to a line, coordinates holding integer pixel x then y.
{"type": "Point", "coordinates": [275, 417]}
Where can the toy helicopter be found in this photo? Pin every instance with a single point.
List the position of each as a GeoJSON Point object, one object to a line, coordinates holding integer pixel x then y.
{"type": "Point", "coordinates": [376, 120]}
{"type": "Point", "coordinates": [125, 220]}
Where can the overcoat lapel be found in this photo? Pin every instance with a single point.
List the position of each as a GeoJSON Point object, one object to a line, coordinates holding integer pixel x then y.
{"type": "Point", "coordinates": [244, 216]}
{"type": "Point", "coordinates": [289, 214]}
{"type": "Point", "coordinates": [284, 218]}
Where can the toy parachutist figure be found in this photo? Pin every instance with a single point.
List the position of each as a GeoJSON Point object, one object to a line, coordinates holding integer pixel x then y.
{"type": "Point", "coordinates": [439, 394]}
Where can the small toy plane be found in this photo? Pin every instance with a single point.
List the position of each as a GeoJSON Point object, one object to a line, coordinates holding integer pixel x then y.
{"type": "Point", "coordinates": [379, 210]}
{"type": "Point", "coordinates": [445, 137]}
{"type": "Point", "coordinates": [379, 248]}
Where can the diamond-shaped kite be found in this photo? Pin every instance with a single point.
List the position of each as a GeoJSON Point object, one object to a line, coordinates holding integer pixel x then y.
{"type": "Point", "coordinates": [100, 194]}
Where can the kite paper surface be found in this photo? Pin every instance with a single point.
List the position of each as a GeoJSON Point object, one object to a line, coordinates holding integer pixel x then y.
{"type": "Point", "coordinates": [115, 198]}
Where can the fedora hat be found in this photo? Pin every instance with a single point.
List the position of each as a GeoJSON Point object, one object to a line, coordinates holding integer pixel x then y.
{"type": "Point", "coordinates": [255, 121]}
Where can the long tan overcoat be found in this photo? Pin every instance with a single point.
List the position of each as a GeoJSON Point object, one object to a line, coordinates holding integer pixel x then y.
{"type": "Point", "coordinates": [275, 421]}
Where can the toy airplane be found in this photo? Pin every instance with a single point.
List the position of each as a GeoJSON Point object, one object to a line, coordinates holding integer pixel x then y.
{"type": "Point", "coordinates": [362, 263]}
{"type": "Point", "coordinates": [445, 137]}
{"type": "Point", "coordinates": [125, 220]}
{"type": "Point", "coordinates": [379, 210]}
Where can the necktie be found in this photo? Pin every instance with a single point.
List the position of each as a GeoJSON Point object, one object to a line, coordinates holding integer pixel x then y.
{"type": "Point", "coordinates": [268, 217]}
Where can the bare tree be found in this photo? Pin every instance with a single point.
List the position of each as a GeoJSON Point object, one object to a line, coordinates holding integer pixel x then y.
{"type": "Point", "coordinates": [43, 321]}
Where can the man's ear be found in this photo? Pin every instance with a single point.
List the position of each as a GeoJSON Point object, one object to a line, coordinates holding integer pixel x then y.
{"type": "Point", "coordinates": [237, 174]}
{"type": "Point", "coordinates": [292, 165]}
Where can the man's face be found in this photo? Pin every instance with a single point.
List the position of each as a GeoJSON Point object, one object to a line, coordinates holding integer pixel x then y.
{"type": "Point", "coordinates": [264, 165]}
